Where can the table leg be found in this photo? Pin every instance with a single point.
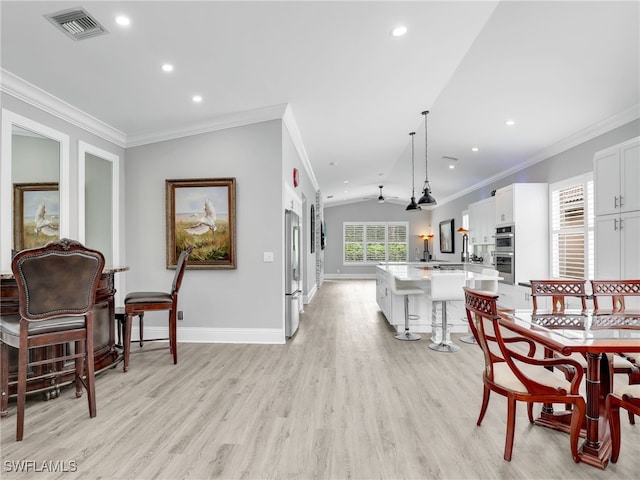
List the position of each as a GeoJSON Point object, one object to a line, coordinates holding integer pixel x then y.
{"type": "Point", "coordinates": [596, 449]}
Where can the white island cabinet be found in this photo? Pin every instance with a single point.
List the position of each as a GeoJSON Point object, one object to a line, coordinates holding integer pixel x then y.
{"type": "Point", "coordinates": [419, 275]}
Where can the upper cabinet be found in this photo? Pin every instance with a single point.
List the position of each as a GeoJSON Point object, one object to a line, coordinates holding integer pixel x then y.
{"type": "Point", "coordinates": [616, 173]}
{"type": "Point", "coordinates": [520, 202]}
{"type": "Point", "coordinates": [504, 206]}
{"type": "Point", "coordinates": [482, 223]}
{"type": "Point", "coordinates": [617, 205]}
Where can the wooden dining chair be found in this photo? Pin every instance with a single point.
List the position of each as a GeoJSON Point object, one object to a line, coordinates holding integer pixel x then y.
{"type": "Point", "coordinates": [558, 291]}
{"type": "Point", "coordinates": [512, 370]}
{"type": "Point", "coordinates": [137, 303]}
{"type": "Point", "coordinates": [57, 287]}
{"type": "Point", "coordinates": [627, 397]}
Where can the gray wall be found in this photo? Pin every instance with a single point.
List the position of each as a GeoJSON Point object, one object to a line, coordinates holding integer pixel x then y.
{"type": "Point", "coordinates": [369, 211]}
{"type": "Point", "coordinates": [574, 161]}
{"type": "Point", "coordinates": [250, 296]}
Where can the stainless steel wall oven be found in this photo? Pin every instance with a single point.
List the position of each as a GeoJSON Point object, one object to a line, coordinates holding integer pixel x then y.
{"type": "Point", "coordinates": [505, 253]}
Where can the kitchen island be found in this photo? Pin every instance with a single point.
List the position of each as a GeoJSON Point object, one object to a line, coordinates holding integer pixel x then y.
{"type": "Point", "coordinates": [419, 274]}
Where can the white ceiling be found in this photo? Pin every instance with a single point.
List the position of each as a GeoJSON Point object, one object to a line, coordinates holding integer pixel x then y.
{"type": "Point", "coordinates": [559, 69]}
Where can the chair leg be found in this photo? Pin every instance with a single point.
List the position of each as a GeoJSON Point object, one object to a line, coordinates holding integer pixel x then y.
{"type": "Point", "coordinates": [613, 407]}
{"type": "Point", "coordinates": [4, 380]}
{"type": "Point", "coordinates": [79, 368]}
{"type": "Point", "coordinates": [511, 424]}
{"type": "Point", "coordinates": [141, 327]}
{"type": "Point", "coordinates": [577, 417]}
{"type": "Point", "coordinates": [89, 368]}
{"type": "Point", "coordinates": [485, 403]}
{"type": "Point", "coordinates": [126, 346]}
{"type": "Point", "coordinates": [530, 411]}
{"type": "Point", "coordinates": [23, 355]}
{"type": "Point", "coordinates": [632, 419]}
{"type": "Point", "coordinates": [173, 344]}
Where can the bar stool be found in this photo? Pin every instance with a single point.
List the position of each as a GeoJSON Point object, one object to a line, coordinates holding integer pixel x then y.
{"type": "Point", "coordinates": [490, 286]}
{"type": "Point", "coordinates": [446, 287]}
{"type": "Point", "coordinates": [398, 288]}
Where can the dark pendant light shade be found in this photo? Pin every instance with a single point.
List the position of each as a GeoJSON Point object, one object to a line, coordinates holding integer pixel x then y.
{"type": "Point", "coordinates": [413, 206]}
{"type": "Point", "coordinates": [427, 198]}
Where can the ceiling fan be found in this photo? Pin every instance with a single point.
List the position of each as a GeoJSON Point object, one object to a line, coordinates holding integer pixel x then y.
{"type": "Point", "coordinates": [380, 198]}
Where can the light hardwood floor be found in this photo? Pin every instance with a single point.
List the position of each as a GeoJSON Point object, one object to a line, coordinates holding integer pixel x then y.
{"type": "Point", "coordinates": [342, 400]}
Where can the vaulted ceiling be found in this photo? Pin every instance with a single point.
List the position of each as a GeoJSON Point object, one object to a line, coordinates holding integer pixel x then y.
{"type": "Point", "coordinates": [560, 70]}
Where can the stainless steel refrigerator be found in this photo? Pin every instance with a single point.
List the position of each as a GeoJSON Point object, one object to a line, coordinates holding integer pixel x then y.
{"type": "Point", "coordinates": [292, 289]}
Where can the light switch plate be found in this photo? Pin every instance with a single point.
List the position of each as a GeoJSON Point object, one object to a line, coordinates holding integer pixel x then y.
{"type": "Point", "coordinates": [268, 256]}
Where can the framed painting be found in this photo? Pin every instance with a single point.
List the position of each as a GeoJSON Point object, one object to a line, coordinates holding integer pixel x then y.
{"type": "Point", "coordinates": [202, 213]}
{"type": "Point", "coordinates": [446, 236]}
{"type": "Point", "coordinates": [36, 214]}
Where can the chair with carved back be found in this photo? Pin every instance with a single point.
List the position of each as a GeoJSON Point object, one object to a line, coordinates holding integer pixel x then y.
{"type": "Point", "coordinates": [513, 370]}
{"type": "Point", "coordinates": [618, 291]}
{"type": "Point", "coordinates": [57, 287]}
{"type": "Point", "coordinates": [560, 291]}
{"type": "Point", "coordinates": [137, 303]}
{"type": "Point", "coordinates": [627, 397]}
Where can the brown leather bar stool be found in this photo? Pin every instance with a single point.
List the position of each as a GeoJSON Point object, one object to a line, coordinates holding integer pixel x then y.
{"type": "Point", "coordinates": [137, 303]}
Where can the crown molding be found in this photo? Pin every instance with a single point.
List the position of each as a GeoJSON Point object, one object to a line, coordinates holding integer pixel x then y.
{"type": "Point", "coordinates": [238, 119]}
{"type": "Point", "coordinates": [292, 126]}
{"type": "Point", "coordinates": [589, 133]}
{"type": "Point", "coordinates": [22, 90]}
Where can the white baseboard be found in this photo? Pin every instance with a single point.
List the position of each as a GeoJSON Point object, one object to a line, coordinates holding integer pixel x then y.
{"type": "Point", "coordinates": [273, 336]}
{"type": "Point", "coordinates": [306, 299]}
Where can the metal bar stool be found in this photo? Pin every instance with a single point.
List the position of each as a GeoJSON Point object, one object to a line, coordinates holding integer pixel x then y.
{"type": "Point", "coordinates": [398, 288]}
{"type": "Point", "coordinates": [446, 287]}
{"type": "Point", "coordinates": [490, 286]}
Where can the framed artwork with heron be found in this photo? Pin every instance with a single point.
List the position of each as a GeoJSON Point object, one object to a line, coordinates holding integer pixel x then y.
{"type": "Point", "coordinates": [36, 214]}
{"type": "Point", "coordinates": [202, 213]}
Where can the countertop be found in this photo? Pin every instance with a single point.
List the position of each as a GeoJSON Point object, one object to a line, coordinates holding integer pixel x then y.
{"type": "Point", "coordinates": [421, 271]}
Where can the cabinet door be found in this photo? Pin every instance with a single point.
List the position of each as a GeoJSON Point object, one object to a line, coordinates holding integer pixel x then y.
{"type": "Point", "coordinates": [630, 177]}
{"type": "Point", "coordinates": [607, 245]}
{"type": "Point", "coordinates": [474, 224]}
{"type": "Point", "coordinates": [504, 206]}
{"type": "Point", "coordinates": [630, 245]}
{"type": "Point", "coordinates": [606, 175]}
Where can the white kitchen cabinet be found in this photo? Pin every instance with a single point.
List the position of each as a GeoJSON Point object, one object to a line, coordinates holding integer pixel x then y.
{"type": "Point", "coordinates": [515, 296]}
{"type": "Point", "coordinates": [616, 177]}
{"type": "Point", "coordinates": [515, 202]}
{"type": "Point", "coordinates": [504, 206]}
{"type": "Point", "coordinates": [617, 246]}
{"type": "Point", "coordinates": [482, 224]}
{"type": "Point", "coordinates": [617, 207]}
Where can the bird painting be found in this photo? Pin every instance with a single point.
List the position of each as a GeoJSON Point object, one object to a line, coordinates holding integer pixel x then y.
{"type": "Point", "coordinates": [43, 224]}
{"type": "Point", "coordinates": [206, 222]}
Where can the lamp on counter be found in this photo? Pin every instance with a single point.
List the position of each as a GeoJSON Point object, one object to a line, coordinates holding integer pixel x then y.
{"type": "Point", "coordinates": [413, 206]}
{"type": "Point", "coordinates": [426, 198]}
{"type": "Point", "coordinates": [426, 256]}
{"type": "Point", "coordinates": [465, 244]}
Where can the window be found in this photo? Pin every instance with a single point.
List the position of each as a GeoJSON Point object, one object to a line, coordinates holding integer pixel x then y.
{"type": "Point", "coordinates": [572, 228]}
{"type": "Point", "coordinates": [373, 242]}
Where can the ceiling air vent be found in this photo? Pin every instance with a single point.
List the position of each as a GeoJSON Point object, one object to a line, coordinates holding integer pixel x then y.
{"type": "Point", "coordinates": [76, 23]}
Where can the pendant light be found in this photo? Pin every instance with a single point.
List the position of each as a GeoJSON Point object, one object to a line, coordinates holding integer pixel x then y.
{"type": "Point", "coordinates": [413, 206]}
{"type": "Point", "coordinates": [427, 198]}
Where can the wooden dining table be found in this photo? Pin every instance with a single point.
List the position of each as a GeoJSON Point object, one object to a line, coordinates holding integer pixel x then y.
{"type": "Point", "coordinates": [597, 335]}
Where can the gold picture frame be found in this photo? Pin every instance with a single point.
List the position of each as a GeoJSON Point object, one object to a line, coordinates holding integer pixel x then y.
{"type": "Point", "coordinates": [36, 214]}
{"type": "Point", "coordinates": [202, 213]}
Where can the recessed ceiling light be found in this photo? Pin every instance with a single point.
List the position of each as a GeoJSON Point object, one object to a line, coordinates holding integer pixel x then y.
{"type": "Point", "coordinates": [346, 181]}
{"type": "Point", "coordinates": [167, 67]}
{"type": "Point", "coordinates": [399, 31]}
{"type": "Point", "coordinates": [510, 123]}
{"type": "Point", "coordinates": [123, 21]}
{"type": "Point", "coordinates": [196, 99]}
{"type": "Point", "coordinates": [475, 149]}
{"type": "Point", "coordinates": [451, 167]}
